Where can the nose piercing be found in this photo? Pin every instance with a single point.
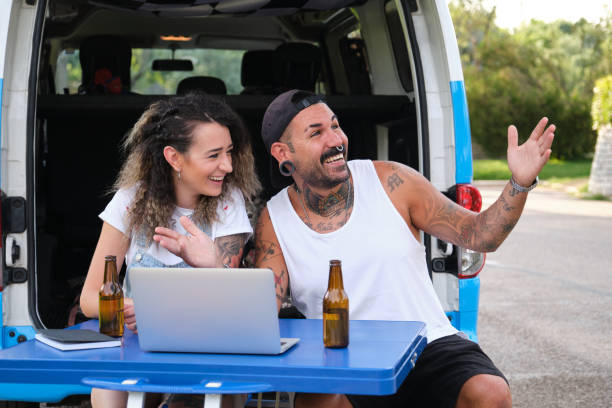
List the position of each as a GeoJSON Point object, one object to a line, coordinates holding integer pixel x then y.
{"type": "Point", "coordinates": [340, 148]}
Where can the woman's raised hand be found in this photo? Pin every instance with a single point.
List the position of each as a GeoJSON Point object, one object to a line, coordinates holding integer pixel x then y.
{"type": "Point", "coordinates": [197, 249]}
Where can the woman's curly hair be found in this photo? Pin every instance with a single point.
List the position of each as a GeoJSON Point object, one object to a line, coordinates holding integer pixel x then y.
{"type": "Point", "coordinates": [170, 122]}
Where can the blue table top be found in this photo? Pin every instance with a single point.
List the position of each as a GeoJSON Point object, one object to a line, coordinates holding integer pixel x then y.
{"type": "Point", "coordinates": [377, 360]}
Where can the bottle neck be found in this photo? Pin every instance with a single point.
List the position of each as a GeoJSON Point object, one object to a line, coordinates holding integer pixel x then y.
{"type": "Point", "coordinates": [110, 272]}
{"type": "Point", "coordinates": [335, 278]}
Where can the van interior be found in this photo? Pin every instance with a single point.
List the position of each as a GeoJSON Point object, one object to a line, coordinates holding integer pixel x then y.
{"type": "Point", "coordinates": [102, 62]}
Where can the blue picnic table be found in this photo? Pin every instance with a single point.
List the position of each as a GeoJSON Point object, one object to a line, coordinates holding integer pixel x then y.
{"type": "Point", "coordinates": [378, 358]}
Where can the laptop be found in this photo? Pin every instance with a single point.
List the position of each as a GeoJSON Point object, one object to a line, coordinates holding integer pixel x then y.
{"type": "Point", "coordinates": [207, 310]}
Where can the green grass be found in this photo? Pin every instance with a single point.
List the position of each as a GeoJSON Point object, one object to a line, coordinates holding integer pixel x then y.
{"type": "Point", "coordinates": [596, 197]}
{"type": "Point", "coordinates": [558, 171]}
{"type": "Point", "coordinates": [583, 192]}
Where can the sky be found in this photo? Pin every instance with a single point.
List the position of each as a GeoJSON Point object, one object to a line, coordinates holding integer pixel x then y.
{"type": "Point", "coordinates": [511, 13]}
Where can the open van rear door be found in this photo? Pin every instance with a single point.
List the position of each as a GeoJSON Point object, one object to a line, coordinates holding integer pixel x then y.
{"type": "Point", "coordinates": [5, 13]}
{"type": "Point", "coordinates": [16, 22]}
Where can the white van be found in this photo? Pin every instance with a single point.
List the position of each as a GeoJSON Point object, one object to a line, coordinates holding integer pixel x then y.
{"type": "Point", "coordinates": [76, 74]}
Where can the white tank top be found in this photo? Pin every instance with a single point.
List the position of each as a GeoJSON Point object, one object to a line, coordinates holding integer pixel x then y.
{"type": "Point", "coordinates": [383, 265]}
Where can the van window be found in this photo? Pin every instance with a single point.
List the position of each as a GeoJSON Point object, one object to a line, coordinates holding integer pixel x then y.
{"type": "Point", "coordinates": [222, 64]}
{"type": "Point", "coordinates": [68, 72]}
{"type": "Point", "coordinates": [355, 61]}
{"type": "Point", "coordinates": [400, 48]}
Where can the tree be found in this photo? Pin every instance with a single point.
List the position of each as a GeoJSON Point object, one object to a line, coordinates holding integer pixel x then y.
{"type": "Point", "coordinates": [223, 64]}
{"type": "Point", "coordinates": [600, 181]}
{"type": "Point", "coordinates": [539, 70]}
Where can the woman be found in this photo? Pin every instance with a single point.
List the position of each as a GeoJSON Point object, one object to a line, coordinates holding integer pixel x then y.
{"type": "Point", "coordinates": [189, 165]}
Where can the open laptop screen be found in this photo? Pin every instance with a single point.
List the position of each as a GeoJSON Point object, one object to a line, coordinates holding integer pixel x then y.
{"type": "Point", "coordinates": [216, 310]}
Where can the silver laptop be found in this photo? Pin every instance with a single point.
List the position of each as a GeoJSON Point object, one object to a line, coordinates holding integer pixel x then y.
{"type": "Point", "coordinates": [207, 310]}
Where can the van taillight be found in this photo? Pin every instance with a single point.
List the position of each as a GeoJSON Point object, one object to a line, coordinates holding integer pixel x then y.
{"type": "Point", "coordinates": [471, 262]}
{"type": "Point", "coordinates": [469, 197]}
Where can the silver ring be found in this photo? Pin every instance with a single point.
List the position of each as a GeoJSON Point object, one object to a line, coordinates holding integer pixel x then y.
{"type": "Point", "coordinates": [340, 148]}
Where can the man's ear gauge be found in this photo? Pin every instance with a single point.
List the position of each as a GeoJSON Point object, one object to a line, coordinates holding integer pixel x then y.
{"type": "Point", "coordinates": [286, 168]}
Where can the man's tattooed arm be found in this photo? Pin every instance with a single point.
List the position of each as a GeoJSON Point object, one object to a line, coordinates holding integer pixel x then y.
{"type": "Point", "coordinates": [432, 212]}
{"type": "Point", "coordinates": [483, 232]}
{"type": "Point", "coordinates": [280, 284]}
{"type": "Point", "coordinates": [268, 254]}
{"type": "Point", "coordinates": [230, 249]}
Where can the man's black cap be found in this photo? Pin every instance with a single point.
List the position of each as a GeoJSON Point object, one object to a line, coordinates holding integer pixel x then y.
{"type": "Point", "coordinates": [276, 119]}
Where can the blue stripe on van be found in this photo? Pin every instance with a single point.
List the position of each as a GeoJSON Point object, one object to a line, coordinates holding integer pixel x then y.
{"type": "Point", "coordinates": [469, 299]}
{"type": "Point", "coordinates": [463, 138]}
{"type": "Point", "coordinates": [13, 335]}
{"type": "Point", "coordinates": [466, 318]}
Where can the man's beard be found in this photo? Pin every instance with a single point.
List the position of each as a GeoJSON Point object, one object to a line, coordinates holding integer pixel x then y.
{"type": "Point", "coordinates": [318, 177]}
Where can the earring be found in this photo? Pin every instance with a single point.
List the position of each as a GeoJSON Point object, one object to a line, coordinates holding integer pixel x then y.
{"type": "Point", "coordinates": [179, 174]}
{"type": "Point", "coordinates": [286, 168]}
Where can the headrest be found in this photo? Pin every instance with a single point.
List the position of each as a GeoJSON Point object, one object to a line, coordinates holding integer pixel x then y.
{"type": "Point", "coordinates": [105, 64]}
{"type": "Point", "coordinates": [259, 69]}
{"type": "Point", "coordinates": [206, 84]}
{"type": "Point", "coordinates": [300, 65]}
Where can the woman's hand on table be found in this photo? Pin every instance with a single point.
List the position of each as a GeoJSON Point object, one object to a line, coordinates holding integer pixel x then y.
{"type": "Point", "coordinates": [129, 315]}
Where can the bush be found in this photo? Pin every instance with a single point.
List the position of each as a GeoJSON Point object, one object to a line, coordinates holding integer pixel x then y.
{"type": "Point", "coordinates": [602, 102]}
{"type": "Point", "coordinates": [540, 69]}
{"type": "Point", "coordinates": [501, 98]}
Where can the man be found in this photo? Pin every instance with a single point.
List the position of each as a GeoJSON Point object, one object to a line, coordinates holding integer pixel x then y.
{"type": "Point", "coordinates": [333, 206]}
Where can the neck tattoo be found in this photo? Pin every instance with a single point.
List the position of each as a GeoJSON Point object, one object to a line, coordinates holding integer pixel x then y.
{"type": "Point", "coordinates": [321, 203]}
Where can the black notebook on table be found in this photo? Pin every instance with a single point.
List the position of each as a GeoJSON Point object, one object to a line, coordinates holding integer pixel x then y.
{"type": "Point", "coordinates": [78, 339]}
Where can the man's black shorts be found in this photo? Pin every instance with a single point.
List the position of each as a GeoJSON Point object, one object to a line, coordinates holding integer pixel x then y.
{"type": "Point", "coordinates": [436, 379]}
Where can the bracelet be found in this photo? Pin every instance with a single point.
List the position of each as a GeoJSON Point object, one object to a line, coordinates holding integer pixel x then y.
{"type": "Point", "coordinates": [522, 189]}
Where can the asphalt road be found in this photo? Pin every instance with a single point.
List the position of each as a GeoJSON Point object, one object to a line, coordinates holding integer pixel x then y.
{"type": "Point", "coordinates": [546, 301]}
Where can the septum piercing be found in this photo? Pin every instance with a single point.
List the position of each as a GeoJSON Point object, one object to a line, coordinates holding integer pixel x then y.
{"type": "Point", "coordinates": [340, 148]}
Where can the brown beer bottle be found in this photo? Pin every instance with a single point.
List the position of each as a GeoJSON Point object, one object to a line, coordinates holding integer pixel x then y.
{"type": "Point", "coordinates": [111, 300]}
{"type": "Point", "coordinates": [335, 309]}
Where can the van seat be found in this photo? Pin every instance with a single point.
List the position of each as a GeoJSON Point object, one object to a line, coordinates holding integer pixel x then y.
{"type": "Point", "coordinates": [299, 64]}
{"type": "Point", "coordinates": [258, 74]}
{"type": "Point", "coordinates": [105, 64]}
{"type": "Point", "coordinates": [208, 84]}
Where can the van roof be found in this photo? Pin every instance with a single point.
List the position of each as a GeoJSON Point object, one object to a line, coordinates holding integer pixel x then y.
{"type": "Point", "coordinates": [143, 22]}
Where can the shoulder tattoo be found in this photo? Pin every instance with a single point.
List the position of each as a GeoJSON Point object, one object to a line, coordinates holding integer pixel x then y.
{"type": "Point", "coordinates": [394, 181]}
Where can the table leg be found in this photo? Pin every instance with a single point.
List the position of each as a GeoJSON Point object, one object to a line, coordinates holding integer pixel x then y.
{"type": "Point", "coordinates": [135, 399]}
{"type": "Point", "coordinates": [212, 400]}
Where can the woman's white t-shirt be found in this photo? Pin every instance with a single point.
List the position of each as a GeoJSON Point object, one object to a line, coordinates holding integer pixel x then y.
{"type": "Point", "coordinates": [232, 219]}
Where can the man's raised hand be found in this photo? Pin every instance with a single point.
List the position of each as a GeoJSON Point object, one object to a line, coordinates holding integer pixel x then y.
{"type": "Point", "coordinates": [526, 161]}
